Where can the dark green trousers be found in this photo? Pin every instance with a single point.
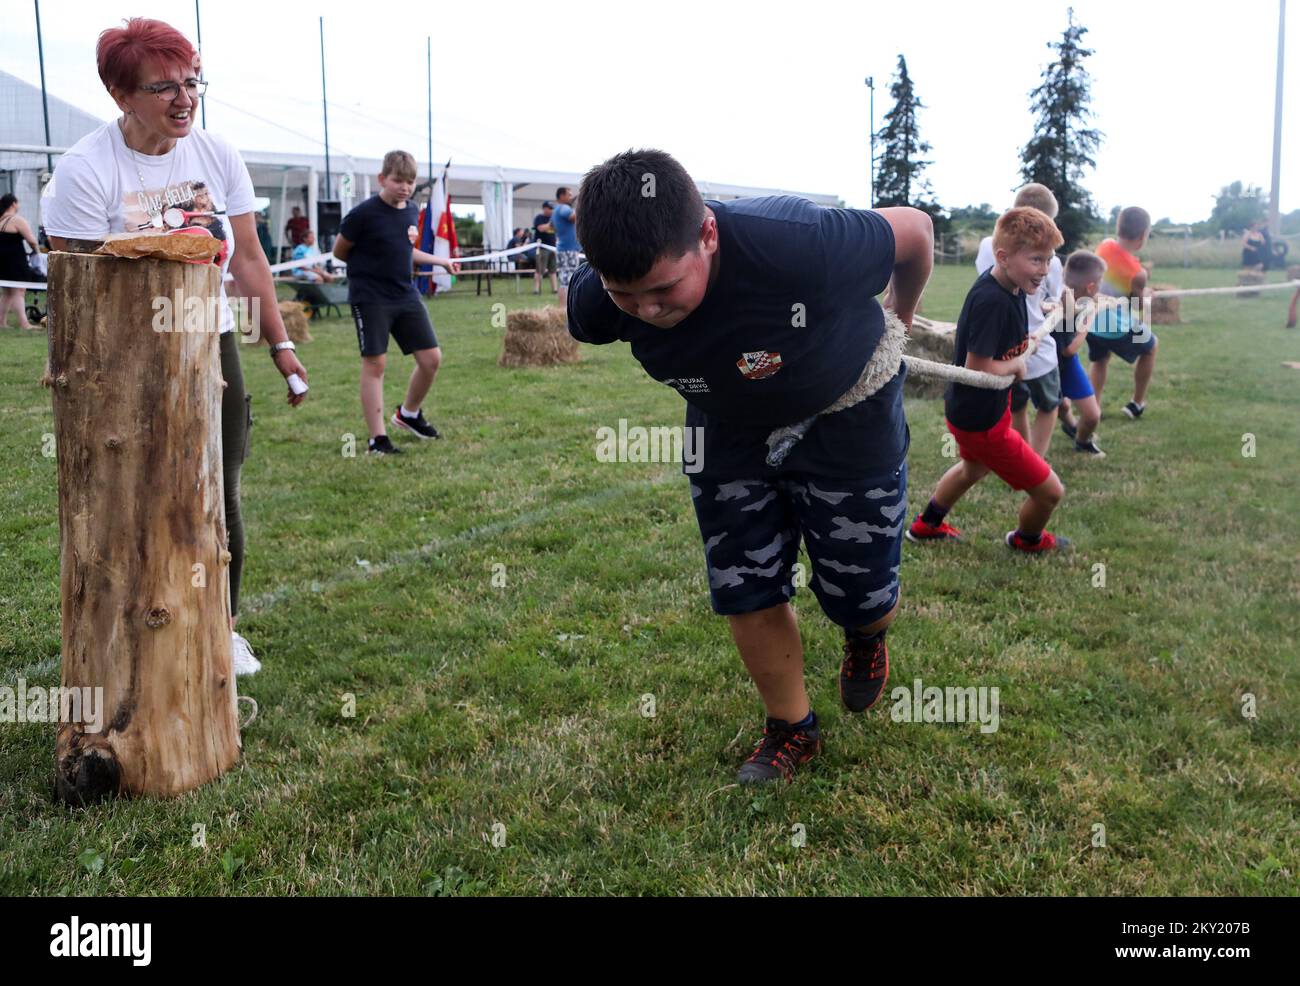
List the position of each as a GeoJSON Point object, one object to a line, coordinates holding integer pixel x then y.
{"type": "Point", "coordinates": [236, 422]}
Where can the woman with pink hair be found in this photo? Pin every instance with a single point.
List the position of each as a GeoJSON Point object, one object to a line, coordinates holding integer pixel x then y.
{"type": "Point", "coordinates": [144, 171]}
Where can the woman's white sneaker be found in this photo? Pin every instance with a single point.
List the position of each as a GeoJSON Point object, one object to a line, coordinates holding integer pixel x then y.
{"type": "Point", "coordinates": [243, 660]}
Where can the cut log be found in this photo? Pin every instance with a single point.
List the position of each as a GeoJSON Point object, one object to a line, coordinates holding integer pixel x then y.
{"type": "Point", "coordinates": [142, 533]}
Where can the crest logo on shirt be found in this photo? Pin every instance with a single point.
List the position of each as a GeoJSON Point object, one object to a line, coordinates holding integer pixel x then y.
{"type": "Point", "coordinates": [756, 366]}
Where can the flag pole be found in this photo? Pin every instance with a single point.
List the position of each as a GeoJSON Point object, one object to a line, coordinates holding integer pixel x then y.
{"type": "Point", "coordinates": [203, 103]}
{"type": "Point", "coordinates": [1274, 218]}
{"type": "Point", "coordinates": [325, 108]}
{"type": "Point", "coordinates": [45, 103]}
{"type": "Point", "coordinates": [428, 56]}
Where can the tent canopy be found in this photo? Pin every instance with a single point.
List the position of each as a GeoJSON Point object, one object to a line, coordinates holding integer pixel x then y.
{"type": "Point", "coordinates": [511, 197]}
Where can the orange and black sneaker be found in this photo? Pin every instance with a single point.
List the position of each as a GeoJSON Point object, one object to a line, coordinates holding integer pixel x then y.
{"type": "Point", "coordinates": [1046, 544]}
{"type": "Point", "coordinates": [921, 531]}
{"type": "Point", "coordinates": [864, 671]}
{"type": "Point", "coordinates": [782, 750]}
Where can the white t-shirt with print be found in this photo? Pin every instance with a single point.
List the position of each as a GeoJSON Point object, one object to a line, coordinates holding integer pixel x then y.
{"type": "Point", "coordinates": [1044, 357]}
{"type": "Point", "coordinates": [97, 189]}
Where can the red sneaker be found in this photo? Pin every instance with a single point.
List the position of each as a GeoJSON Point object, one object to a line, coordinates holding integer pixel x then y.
{"type": "Point", "coordinates": [1047, 542]}
{"type": "Point", "coordinates": [921, 531]}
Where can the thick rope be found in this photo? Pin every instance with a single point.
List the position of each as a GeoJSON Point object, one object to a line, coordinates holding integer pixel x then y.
{"type": "Point", "coordinates": [883, 367]}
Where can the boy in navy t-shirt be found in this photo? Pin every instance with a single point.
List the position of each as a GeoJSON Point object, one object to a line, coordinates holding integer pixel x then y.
{"type": "Point", "coordinates": [761, 313]}
{"type": "Point", "coordinates": [377, 242]}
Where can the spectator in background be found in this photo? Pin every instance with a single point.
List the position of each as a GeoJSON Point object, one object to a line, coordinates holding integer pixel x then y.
{"type": "Point", "coordinates": [523, 261]}
{"type": "Point", "coordinates": [544, 232]}
{"type": "Point", "coordinates": [568, 256]}
{"type": "Point", "coordinates": [14, 265]}
{"type": "Point", "coordinates": [296, 228]}
{"type": "Point", "coordinates": [1258, 250]}
{"type": "Point", "coordinates": [264, 236]}
{"type": "Point", "coordinates": [315, 274]}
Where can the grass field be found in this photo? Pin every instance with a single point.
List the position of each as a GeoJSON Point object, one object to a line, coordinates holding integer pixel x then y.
{"type": "Point", "coordinates": [515, 710]}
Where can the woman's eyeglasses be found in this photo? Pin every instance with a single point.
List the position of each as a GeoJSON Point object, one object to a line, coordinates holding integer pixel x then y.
{"type": "Point", "coordinates": [168, 91]}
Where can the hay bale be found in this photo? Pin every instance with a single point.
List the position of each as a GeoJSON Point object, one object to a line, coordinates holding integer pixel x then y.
{"type": "Point", "coordinates": [1249, 276]}
{"type": "Point", "coordinates": [538, 337]}
{"type": "Point", "coordinates": [930, 340]}
{"type": "Point", "coordinates": [296, 321]}
{"type": "Point", "coordinates": [1165, 310]}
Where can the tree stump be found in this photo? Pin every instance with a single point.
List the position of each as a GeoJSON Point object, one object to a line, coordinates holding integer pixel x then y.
{"type": "Point", "coordinates": [142, 531]}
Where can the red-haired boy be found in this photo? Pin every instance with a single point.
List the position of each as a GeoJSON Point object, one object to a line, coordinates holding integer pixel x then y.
{"type": "Point", "coordinates": [992, 336]}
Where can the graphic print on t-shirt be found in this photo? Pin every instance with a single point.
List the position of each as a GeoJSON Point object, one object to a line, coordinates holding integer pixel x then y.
{"type": "Point", "coordinates": [183, 206]}
{"type": "Point", "coordinates": [1017, 350]}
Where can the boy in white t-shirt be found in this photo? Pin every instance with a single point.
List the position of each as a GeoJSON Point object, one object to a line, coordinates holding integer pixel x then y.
{"type": "Point", "coordinates": [1042, 381]}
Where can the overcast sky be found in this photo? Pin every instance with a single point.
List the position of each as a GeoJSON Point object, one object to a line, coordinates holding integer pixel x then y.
{"type": "Point", "coordinates": [755, 93]}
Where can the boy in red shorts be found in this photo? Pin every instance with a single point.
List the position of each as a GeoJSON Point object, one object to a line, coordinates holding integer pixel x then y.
{"type": "Point", "coordinates": [993, 336]}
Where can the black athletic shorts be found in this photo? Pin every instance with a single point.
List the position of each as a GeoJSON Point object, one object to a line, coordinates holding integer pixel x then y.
{"type": "Point", "coordinates": [406, 321]}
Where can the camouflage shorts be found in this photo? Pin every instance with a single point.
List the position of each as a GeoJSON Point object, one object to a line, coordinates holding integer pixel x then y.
{"type": "Point", "coordinates": [852, 529]}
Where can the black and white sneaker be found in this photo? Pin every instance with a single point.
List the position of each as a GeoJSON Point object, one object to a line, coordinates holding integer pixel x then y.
{"type": "Point", "coordinates": [1069, 429]}
{"type": "Point", "coordinates": [1134, 410]}
{"type": "Point", "coordinates": [1090, 447]}
{"type": "Point", "coordinates": [383, 445]}
{"type": "Point", "coordinates": [417, 426]}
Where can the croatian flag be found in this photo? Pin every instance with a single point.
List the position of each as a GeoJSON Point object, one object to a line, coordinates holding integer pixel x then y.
{"type": "Point", "coordinates": [438, 235]}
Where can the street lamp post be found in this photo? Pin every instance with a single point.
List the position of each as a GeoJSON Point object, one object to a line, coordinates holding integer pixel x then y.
{"type": "Point", "coordinates": [871, 122]}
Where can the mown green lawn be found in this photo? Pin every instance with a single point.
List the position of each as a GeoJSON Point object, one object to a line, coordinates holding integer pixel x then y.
{"type": "Point", "coordinates": [482, 705]}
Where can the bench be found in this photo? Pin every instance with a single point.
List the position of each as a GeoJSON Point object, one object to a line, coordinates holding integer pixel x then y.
{"type": "Point", "coordinates": [320, 298]}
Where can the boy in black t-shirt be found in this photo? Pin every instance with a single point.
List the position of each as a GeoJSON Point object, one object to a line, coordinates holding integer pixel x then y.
{"type": "Point", "coordinates": [377, 242]}
{"type": "Point", "coordinates": [992, 337]}
{"type": "Point", "coordinates": [761, 312]}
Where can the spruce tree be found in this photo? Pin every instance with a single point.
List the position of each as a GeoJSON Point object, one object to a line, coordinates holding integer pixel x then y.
{"type": "Point", "coordinates": [900, 177]}
{"type": "Point", "coordinates": [1063, 145]}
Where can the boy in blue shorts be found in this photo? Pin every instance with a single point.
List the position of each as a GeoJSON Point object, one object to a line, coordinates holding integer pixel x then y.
{"type": "Point", "coordinates": [761, 312]}
{"type": "Point", "coordinates": [1083, 273]}
{"type": "Point", "coordinates": [1121, 331]}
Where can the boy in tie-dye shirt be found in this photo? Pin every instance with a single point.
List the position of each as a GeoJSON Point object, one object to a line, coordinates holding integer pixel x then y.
{"type": "Point", "coordinates": [1122, 332]}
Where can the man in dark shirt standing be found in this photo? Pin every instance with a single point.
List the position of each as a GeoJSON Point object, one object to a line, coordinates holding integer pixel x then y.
{"type": "Point", "coordinates": [544, 232]}
{"type": "Point", "coordinates": [761, 312]}
{"type": "Point", "coordinates": [377, 242]}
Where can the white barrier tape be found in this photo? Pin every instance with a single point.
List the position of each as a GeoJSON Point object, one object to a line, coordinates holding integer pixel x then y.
{"type": "Point", "coordinates": [312, 261]}
{"type": "Point", "coordinates": [484, 258]}
{"type": "Point", "coordinates": [547, 246]}
{"type": "Point", "coordinates": [1187, 292]}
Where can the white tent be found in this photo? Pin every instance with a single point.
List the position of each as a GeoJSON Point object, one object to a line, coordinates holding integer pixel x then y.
{"type": "Point", "coordinates": [510, 197]}
{"type": "Point", "coordinates": [21, 124]}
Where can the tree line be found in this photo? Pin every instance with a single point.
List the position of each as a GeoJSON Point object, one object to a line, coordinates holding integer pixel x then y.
{"type": "Point", "coordinates": [1059, 154]}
